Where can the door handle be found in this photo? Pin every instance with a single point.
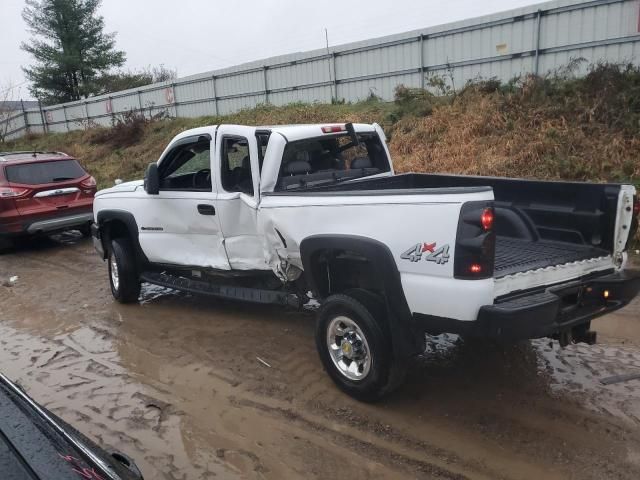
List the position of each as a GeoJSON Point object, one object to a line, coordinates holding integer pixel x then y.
{"type": "Point", "coordinates": [204, 209]}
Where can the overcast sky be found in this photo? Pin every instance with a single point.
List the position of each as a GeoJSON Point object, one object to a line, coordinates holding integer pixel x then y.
{"type": "Point", "coordinates": [194, 36]}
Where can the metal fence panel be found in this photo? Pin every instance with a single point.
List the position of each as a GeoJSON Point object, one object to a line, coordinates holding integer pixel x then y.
{"type": "Point", "coordinates": [534, 39]}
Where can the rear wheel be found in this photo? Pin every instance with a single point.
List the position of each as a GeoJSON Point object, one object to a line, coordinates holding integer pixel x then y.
{"type": "Point", "coordinates": [353, 348]}
{"type": "Point", "coordinates": [123, 277]}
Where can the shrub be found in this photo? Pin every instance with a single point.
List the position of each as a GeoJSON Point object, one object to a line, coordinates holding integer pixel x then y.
{"type": "Point", "coordinates": [126, 129]}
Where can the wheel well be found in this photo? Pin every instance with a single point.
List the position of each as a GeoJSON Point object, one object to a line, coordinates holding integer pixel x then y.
{"type": "Point", "coordinates": [346, 263]}
{"type": "Point", "coordinates": [115, 229]}
{"type": "Point", "coordinates": [338, 271]}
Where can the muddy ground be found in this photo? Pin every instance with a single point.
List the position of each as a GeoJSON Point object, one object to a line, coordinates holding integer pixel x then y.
{"type": "Point", "coordinates": [175, 383]}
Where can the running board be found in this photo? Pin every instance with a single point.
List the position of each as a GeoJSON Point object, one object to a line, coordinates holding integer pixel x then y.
{"type": "Point", "coordinates": [252, 295]}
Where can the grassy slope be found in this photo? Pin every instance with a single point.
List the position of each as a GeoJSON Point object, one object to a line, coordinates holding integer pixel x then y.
{"type": "Point", "coordinates": [553, 128]}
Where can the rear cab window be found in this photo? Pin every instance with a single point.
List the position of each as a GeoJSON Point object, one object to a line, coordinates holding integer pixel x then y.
{"type": "Point", "coordinates": [44, 172]}
{"type": "Point", "coordinates": [329, 159]}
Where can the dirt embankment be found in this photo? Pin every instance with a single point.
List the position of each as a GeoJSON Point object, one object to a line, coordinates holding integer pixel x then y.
{"type": "Point", "coordinates": [175, 383]}
{"type": "Point", "coordinates": [557, 127]}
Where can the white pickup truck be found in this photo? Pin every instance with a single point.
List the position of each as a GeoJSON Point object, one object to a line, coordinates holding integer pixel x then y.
{"type": "Point", "coordinates": [291, 214]}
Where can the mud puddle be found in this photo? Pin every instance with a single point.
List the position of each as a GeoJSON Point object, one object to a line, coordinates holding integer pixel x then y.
{"type": "Point", "coordinates": [175, 382]}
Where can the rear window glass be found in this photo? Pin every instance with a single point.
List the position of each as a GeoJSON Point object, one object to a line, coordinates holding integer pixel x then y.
{"type": "Point", "coordinates": [44, 172]}
{"type": "Point", "coordinates": [327, 159]}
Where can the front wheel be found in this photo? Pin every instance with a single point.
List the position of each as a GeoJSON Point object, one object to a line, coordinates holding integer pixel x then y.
{"type": "Point", "coordinates": [353, 348]}
{"type": "Point", "coordinates": [123, 277]}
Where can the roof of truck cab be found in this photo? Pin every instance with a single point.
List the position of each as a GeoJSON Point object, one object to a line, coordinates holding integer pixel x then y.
{"type": "Point", "coordinates": [290, 132]}
{"type": "Point", "coordinates": [300, 132]}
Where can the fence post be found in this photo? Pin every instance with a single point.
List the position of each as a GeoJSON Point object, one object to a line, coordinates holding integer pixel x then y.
{"type": "Point", "coordinates": [335, 76]}
{"type": "Point", "coordinates": [215, 96]}
{"type": "Point", "coordinates": [421, 40]}
{"type": "Point", "coordinates": [66, 120]}
{"type": "Point", "coordinates": [537, 60]}
{"type": "Point", "coordinates": [45, 126]}
{"type": "Point", "coordinates": [26, 117]}
{"type": "Point", "coordinates": [113, 115]}
{"type": "Point", "coordinates": [86, 112]}
{"type": "Point", "coordinates": [140, 102]}
{"type": "Point", "coordinates": [175, 99]}
{"type": "Point", "coordinates": [266, 89]}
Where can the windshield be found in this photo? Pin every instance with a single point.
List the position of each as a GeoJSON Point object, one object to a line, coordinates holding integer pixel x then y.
{"type": "Point", "coordinates": [329, 159]}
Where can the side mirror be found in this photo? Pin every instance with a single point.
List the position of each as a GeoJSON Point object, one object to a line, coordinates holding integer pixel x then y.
{"type": "Point", "coordinates": [152, 180]}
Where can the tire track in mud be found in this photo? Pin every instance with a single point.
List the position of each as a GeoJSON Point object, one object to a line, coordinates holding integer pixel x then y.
{"type": "Point", "coordinates": [371, 450]}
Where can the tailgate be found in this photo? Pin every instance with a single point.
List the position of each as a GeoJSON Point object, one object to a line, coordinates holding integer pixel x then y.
{"type": "Point", "coordinates": [573, 236]}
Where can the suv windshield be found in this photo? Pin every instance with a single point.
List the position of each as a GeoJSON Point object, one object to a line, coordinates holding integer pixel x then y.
{"type": "Point", "coordinates": [44, 172]}
{"type": "Point", "coordinates": [328, 159]}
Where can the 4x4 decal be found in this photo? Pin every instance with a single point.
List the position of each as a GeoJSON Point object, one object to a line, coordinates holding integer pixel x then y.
{"type": "Point", "coordinates": [427, 251]}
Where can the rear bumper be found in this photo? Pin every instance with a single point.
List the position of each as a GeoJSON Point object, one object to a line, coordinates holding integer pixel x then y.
{"type": "Point", "coordinates": [60, 223]}
{"type": "Point", "coordinates": [47, 223]}
{"type": "Point", "coordinates": [543, 313]}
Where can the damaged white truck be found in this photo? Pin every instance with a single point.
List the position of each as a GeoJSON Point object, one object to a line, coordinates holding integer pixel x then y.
{"type": "Point", "coordinates": [291, 214]}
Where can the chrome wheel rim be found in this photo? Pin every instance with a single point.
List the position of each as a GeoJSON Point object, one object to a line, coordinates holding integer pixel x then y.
{"type": "Point", "coordinates": [348, 348]}
{"type": "Point", "coordinates": [115, 279]}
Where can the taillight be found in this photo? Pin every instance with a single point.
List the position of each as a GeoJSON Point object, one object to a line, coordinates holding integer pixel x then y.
{"type": "Point", "coordinates": [475, 241]}
{"type": "Point", "coordinates": [12, 192]}
{"type": "Point", "coordinates": [636, 206]}
{"type": "Point", "coordinates": [88, 183]}
{"type": "Point", "coordinates": [486, 219]}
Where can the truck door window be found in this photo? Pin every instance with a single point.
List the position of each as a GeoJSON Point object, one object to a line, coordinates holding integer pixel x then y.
{"type": "Point", "coordinates": [187, 168]}
{"type": "Point", "coordinates": [235, 165]}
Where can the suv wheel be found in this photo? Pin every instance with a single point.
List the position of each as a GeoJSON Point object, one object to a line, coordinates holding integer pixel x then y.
{"type": "Point", "coordinates": [123, 277]}
{"type": "Point", "coordinates": [5, 244]}
{"type": "Point", "coordinates": [85, 230]}
{"type": "Point", "coordinates": [353, 348]}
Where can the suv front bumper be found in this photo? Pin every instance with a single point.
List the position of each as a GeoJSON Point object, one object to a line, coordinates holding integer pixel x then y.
{"type": "Point", "coordinates": [543, 313]}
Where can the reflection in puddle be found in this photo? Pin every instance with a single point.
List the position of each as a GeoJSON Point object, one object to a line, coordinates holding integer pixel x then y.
{"type": "Point", "coordinates": [575, 370]}
{"type": "Point", "coordinates": [579, 368]}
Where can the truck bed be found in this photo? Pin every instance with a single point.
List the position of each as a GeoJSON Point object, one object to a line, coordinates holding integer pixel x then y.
{"type": "Point", "coordinates": [515, 255]}
{"type": "Point", "coordinates": [538, 223]}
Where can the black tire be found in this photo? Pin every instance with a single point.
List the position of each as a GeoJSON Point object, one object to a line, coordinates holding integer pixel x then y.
{"type": "Point", "coordinates": [6, 244]}
{"type": "Point", "coordinates": [128, 285]}
{"type": "Point", "coordinates": [383, 374]}
{"type": "Point", "coordinates": [85, 230]}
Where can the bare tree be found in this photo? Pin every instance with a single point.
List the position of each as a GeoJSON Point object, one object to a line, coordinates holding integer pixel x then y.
{"type": "Point", "coordinates": [7, 110]}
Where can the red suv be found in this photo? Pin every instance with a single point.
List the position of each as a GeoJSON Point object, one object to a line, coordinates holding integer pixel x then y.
{"type": "Point", "coordinates": [43, 192]}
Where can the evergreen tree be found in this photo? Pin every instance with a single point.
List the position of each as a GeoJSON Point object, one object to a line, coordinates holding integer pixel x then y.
{"type": "Point", "coordinates": [70, 48]}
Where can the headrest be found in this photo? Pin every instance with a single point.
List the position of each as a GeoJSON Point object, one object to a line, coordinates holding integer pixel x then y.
{"type": "Point", "coordinates": [361, 162]}
{"type": "Point", "coordinates": [303, 156]}
{"type": "Point", "coordinates": [297, 167]}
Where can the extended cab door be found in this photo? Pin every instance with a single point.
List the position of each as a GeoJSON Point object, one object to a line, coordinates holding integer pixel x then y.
{"type": "Point", "coordinates": [238, 196]}
{"type": "Point", "coordinates": [181, 225]}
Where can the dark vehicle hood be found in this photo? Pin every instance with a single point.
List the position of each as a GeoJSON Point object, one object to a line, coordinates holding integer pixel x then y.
{"type": "Point", "coordinates": [35, 444]}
